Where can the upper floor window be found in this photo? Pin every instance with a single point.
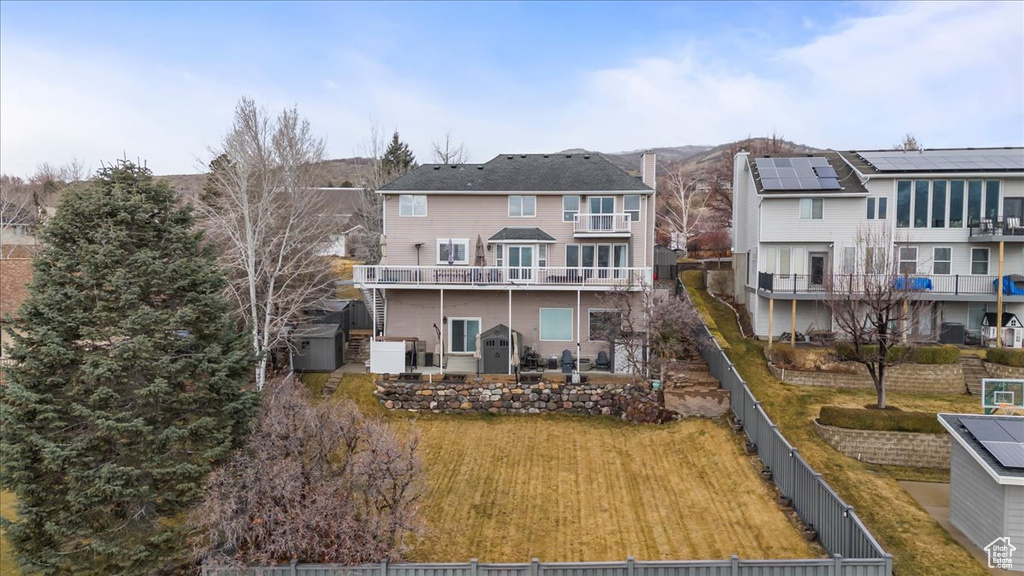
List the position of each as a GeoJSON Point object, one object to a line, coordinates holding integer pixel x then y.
{"type": "Point", "coordinates": [811, 208]}
{"type": "Point", "coordinates": [412, 205]}
{"type": "Point", "coordinates": [570, 208]}
{"type": "Point", "coordinates": [908, 260]}
{"type": "Point", "coordinates": [943, 203]}
{"type": "Point", "coordinates": [522, 206]}
{"type": "Point", "coordinates": [631, 206]}
{"type": "Point", "coordinates": [942, 260]}
{"type": "Point", "coordinates": [453, 251]}
{"type": "Point", "coordinates": [878, 208]}
{"type": "Point", "coordinates": [979, 260]}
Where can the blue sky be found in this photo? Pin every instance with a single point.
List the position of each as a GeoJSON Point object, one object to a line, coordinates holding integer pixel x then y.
{"type": "Point", "coordinates": [159, 81]}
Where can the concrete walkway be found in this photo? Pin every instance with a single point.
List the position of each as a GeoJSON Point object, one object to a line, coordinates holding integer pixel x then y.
{"type": "Point", "coordinates": [934, 498]}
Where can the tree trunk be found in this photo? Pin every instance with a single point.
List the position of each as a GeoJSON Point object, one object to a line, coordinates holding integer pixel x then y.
{"type": "Point", "coordinates": [880, 386]}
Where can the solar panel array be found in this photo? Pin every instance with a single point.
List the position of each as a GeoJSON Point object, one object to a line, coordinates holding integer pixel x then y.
{"type": "Point", "coordinates": [945, 160]}
{"type": "Point", "coordinates": [806, 173]}
{"type": "Point", "coordinates": [1003, 438]}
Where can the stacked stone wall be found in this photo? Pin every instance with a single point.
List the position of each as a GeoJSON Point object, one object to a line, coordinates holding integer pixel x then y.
{"type": "Point", "coordinates": [906, 378]}
{"type": "Point", "coordinates": [894, 448]}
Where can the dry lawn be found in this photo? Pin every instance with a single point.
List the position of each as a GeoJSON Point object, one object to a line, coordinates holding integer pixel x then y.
{"type": "Point", "coordinates": [8, 566]}
{"type": "Point", "coordinates": [562, 488]}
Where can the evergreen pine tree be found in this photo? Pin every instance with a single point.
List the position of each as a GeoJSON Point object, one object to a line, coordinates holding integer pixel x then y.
{"type": "Point", "coordinates": [127, 386]}
{"type": "Point", "coordinates": [398, 158]}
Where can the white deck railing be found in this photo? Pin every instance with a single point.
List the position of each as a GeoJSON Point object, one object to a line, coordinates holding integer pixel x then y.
{"type": "Point", "coordinates": [600, 223]}
{"type": "Point", "coordinates": [399, 276]}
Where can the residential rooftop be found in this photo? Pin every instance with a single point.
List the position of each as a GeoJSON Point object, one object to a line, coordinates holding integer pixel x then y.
{"type": "Point", "coordinates": [554, 173]}
{"type": "Point", "coordinates": [766, 183]}
{"type": "Point", "coordinates": [936, 160]}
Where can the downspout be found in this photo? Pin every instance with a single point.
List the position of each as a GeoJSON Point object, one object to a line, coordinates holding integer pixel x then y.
{"type": "Point", "coordinates": [510, 348]}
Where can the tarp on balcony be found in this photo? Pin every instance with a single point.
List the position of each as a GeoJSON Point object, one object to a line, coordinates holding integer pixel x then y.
{"type": "Point", "coordinates": [1012, 284]}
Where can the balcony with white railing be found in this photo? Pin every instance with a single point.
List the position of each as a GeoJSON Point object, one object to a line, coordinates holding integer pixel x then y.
{"type": "Point", "coordinates": [501, 278]}
{"type": "Point", "coordinates": [601, 225]}
{"type": "Point", "coordinates": [925, 286]}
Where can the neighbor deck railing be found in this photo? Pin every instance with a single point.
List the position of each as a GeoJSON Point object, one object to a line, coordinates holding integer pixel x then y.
{"type": "Point", "coordinates": [600, 223]}
{"type": "Point", "coordinates": [839, 529]}
{"type": "Point", "coordinates": [946, 284]}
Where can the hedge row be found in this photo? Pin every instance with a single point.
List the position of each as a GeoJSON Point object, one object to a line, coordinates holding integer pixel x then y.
{"type": "Point", "coordinates": [888, 420]}
{"type": "Point", "coordinates": [1007, 357]}
{"type": "Point", "coordinates": [947, 354]}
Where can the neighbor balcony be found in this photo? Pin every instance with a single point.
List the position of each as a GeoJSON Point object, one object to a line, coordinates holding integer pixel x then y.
{"type": "Point", "coordinates": [925, 286]}
{"type": "Point", "coordinates": [601, 225]}
{"type": "Point", "coordinates": [1006, 230]}
{"type": "Point", "coordinates": [501, 278]}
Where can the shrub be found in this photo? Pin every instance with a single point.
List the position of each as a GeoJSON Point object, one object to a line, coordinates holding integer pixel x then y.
{"type": "Point", "coordinates": [782, 354]}
{"type": "Point", "coordinates": [888, 420]}
{"type": "Point", "coordinates": [946, 354]}
{"type": "Point", "coordinates": [1006, 357]}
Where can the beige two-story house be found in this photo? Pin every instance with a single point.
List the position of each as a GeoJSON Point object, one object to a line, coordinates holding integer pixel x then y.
{"type": "Point", "coordinates": [544, 243]}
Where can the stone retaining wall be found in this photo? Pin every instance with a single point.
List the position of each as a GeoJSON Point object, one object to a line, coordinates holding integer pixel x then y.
{"type": "Point", "coordinates": [908, 378]}
{"type": "Point", "coordinates": [704, 403]}
{"type": "Point", "coordinates": [895, 448]}
{"type": "Point", "coordinates": [1002, 371]}
{"type": "Point", "coordinates": [611, 399]}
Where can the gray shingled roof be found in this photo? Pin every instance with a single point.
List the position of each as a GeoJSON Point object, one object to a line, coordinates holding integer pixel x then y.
{"type": "Point", "coordinates": [534, 234]}
{"type": "Point", "coordinates": [847, 178]}
{"type": "Point", "coordinates": [522, 173]}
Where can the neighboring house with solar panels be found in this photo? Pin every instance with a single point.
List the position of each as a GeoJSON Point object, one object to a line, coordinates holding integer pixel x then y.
{"type": "Point", "coordinates": [986, 479]}
{"type": "Point", "coordinates": [537, 242]}
{"type": "Point", "coordinates": [796, 220]}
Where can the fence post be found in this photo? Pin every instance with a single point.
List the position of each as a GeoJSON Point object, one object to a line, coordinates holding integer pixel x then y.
{"type": "Point", "coordinates": [837, 564]}
{"type": "Point", "coordinates": [383, 568]}
{"type": "Point", "coordinates": [534, 567]}
{"type": "Point", "coordinates": [735, 563]}
{"type": "Point", "coordinates": [847, 513]}
{"type": "Point", "coordinates": [473, 566]}
{"type": "Point", "coordinates": [291, 567]}
{"type": "Point", "coordinates": [888, 563]}
{"type": "Point", "coordinates": [629, 566]}
{"type": "Point", "coordinates": [792, 477]}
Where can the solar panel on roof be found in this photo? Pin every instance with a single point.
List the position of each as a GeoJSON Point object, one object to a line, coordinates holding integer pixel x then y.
{"type": "Point", "coordinates": [1003, 438]}
{"type": "Point", "coordinates": [801, 173]}
{"type": "Point", "coordinates": [825, 172]}
{"type": "Point", "coordinates": [933, 160]}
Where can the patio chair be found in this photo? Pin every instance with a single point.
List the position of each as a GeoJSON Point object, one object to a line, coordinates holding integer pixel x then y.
{"type": "Point", "coordinates": [602, 362]}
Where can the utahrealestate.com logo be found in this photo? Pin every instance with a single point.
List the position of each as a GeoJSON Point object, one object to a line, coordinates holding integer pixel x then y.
{"type": "Point", "coordinates": [1000, 553]}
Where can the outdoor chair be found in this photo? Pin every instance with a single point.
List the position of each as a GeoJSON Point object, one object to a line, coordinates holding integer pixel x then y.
{"type": "Point", "coordinates": [602, 362]}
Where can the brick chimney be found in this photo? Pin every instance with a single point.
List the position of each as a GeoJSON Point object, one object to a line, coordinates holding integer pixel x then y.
{"type": "Point", "coordinates": [648, 163]}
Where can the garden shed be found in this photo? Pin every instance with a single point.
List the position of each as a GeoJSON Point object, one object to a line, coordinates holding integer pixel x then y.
{"type": "Point", "coordinates": [986, 479]}
{"type": "Point", "coordinates": [318, 347]}
{"type": "Point", "coordinates": [494, 349]}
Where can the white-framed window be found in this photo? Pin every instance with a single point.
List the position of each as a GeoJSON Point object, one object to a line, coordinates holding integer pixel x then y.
{"type": "Point", "coordinates": [412, 205]}
{"type": "Point", "coordinates": [785, 260]}
{"type": "Point", "coordinates": [542, 255]}
{"type": "Point", "coordinates": [522, 206]}
{"type": "Point", "coordinates": [878, 208]}
{"type": "Point", "coordinates": [572, 255]}
{"type": "Point", "coordinates": [570, 208]}
{"type": "Point", "coordinates": [908, 260]}
{"type": "Point", "coordinates": [811, 208]}
{"type": "Point", "coordinates": [603, 324]}
{"type": "Point", "coordinates": [556, 324]}
{"type": "Point", "coordinates": [462, 334]}
{"type": "Point", "coordinates": [874, 260]}
{"type": "Point", "coordinates": [499, 255]}
{"type": "Point", "coordinates": [459, 250]}
{"type": "Point", "coordinates": [979, 261]}
{"type": "Point", "coordinates": [942, 260]}
{"type": "Point", "coordinates": [849, 260]}
{"type": "Point", "coordinates": [631, 206]}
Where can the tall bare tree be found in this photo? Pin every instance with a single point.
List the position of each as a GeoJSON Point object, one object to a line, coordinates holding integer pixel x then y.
{"type": "Point", "coordinates": [684, 208]}
{"type": "Point", "coordinates": [874, 301]}
{"type": "Point", "coordinates": [317, 482]}
{"type": "Point", "coordinates": [446, 152]}
{"type": "Point", "coordinates": [261, 208]}
{"type": "Point", "coordinates": [909, 143]}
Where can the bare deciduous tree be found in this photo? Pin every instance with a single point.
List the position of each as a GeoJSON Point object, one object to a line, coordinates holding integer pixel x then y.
{"type": "Point", "coordinates": [318, 482]}
{"type": "Point", "coordinates": [262, 210]}
{"type": "Point", "coordinates": [446, 152]}
{"type": "Point", "coordinates": [871, 301]}
{"type": "Point", "coordinates": [369, 216]}
{"type": "Point", "coordinates": [649, 325]}
{"type": "Point", "coordinates": [909, 143]}
{"type": "Point", "coordinates": [684, 208]}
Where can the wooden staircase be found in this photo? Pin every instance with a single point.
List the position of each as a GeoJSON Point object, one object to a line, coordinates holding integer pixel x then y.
{"type": "Point", "coordinates": [358, 346]}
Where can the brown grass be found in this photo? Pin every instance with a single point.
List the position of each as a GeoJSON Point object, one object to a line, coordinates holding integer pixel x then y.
{"type": "Point", "coordinates": [8, 566]}
{"type": "Point", "coordinates": [918, 544]}
{"type": "Point", "coordinates": [563, 488]}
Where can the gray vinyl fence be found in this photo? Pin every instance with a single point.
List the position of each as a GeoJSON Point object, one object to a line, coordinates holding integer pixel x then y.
{"type": "Point", "coordinates": [839, 529]}
{"type": "Point", "coordinates": [836, 566]}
